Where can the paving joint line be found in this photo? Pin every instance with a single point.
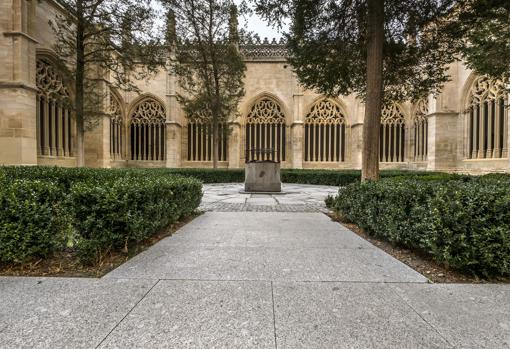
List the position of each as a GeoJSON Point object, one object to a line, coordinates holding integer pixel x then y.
{"type": "Point", "coordinates": [278, 281]}
{"type": "Point", "coordinates": [274, 317]}
{"type": "Point", "coordinates": [127, 314]}
{"type": "Point", "coordinates": [452, 346]}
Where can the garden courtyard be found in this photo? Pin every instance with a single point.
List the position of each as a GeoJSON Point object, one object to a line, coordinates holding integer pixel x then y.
{"type": "Point", "coordinates": [255, 271]}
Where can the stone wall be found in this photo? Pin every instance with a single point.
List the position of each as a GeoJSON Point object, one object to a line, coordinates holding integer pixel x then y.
{"type": "Point", "coordinates": [25, 33]}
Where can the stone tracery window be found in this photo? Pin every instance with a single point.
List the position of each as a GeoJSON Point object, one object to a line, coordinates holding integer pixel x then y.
{"type": "Point", "coordinates": [116, 127]}
{"type": "Point", "coordinates": [420, 127]}
{"type": "Point", "coordinates": [148, 131]}
{"type": "Point", "coordinates": [392, 134]}
{"type": "Point", "coordinates": [55, 122]}
{"type": "Point", "coordinates": [487, 119]}
{"type": "Point", "coordinates": [265, 131]}
{"type": "Point", "coordinates": [325, 128]}
{"type": "Point", "coordinates": [200, 140]}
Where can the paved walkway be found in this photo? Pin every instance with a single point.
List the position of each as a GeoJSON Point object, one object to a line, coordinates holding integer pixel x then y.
{"type": "Point", "coordinates": [255, 280]}
{"type": "Point", "coordinates": [296, 198]}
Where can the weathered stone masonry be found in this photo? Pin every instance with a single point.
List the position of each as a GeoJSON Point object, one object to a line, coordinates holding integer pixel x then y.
{"type": "Point", "coordinates": [464, 129]}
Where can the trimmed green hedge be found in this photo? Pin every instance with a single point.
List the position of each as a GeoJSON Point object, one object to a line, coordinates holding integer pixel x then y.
{"type": "Point", "coordinates": [127, 210]}
{"type": "Point", "coordinates": [463, 223]}
{"type": "Point", "coordinates": [67, 176]}
{"type": "Point", "coordinates": [33, 222]}
{"type": "Point", "coordinates": [95, 210]}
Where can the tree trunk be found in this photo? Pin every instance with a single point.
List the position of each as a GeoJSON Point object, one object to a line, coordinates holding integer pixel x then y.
{"type": "Point", "coordinates": [79, 85]}
{"type": "Point", "coordinates": [373, 105]}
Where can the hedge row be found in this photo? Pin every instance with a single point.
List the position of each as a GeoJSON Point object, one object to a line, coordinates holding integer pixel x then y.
{"type": "Point", "coordinates": [67, 176]}
{"type": "Point", "coordinates": [46, 209]}
{"type": "Point", "coordinates": [462, 223]}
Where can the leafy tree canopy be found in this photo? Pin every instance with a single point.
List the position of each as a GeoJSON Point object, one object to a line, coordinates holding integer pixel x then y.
{"type": "Point", "coordinates": [328, 44]}
{"type": "Point", "coordinates": [203, 36]}
{"type": "Point", "coordinates": [481, 28]}
{"type": "Point", "coordinates": [106, 41]}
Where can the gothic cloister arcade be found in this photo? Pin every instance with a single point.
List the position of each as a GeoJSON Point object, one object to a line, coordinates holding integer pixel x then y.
{"type": "Point", "coordinates": [464, 128]}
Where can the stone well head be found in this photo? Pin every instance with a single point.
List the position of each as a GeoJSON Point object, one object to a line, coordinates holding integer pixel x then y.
{"type": "Point", "coordinates": [262, 175]}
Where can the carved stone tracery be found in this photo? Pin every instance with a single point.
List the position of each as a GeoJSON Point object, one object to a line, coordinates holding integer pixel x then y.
{"type": "Point", "coordinates": [266, 111]}
{"type": "Point", "coordinates": [49, 81]}
{"type": "Point", "coordinates": [116, 126]}
{"type": "Point", "coordinates": [325, 112]}
{"type": "Point", "coordinates": [487, 119]}
{"type": "Point", "coordinates": [148, 131]}
{"type": "Point", "coordinates": [148, 112]}
{"type": "Point", "coordinates": [55, 124]}
{"type": "Point", "coordinates": [486, 89]}
{"type": "Point", "coordinates": [420, 128]}
{"type": "Point", "coordinates": [325, 133]}
{"type": "Point", "coordinates": [392, 115]}
{"type": "Point", "coordinates": [392, 134]}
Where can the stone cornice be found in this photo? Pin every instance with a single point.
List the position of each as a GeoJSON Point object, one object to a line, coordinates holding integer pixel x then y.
{"type": "Point", "coordinates": [443, 113]}
{"type": "Point", "coordinates": [17, 84]}
{"type": "Point", "coordinates": [25, 35]}
{"type": "Point", "coordinates": [175, 123]}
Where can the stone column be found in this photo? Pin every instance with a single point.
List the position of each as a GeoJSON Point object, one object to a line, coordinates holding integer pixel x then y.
{"type": "Point", "coordinates": [442, 140]}
{"type": "Point", "coordinates": [296, 128]}
{"type": "Point", "coordinates": [234, 145]}
{"type": "Point", "coordinates": [97, 144]}
{"type": "Point", "coordinates": [173, 126]}
{"type": "Point", "coordinates": [297, 144]}
{"type": "Point", "coordinates": [18, 130]}
{"type": "Point", "coordinates": [355, 146]}
{"type": "Point", "coordinates": [354, 141]}
{"type": "Point", "coordinates": [97, 133]}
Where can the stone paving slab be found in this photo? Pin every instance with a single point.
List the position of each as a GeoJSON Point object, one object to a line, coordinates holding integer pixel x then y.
{"type": "Point", "coordinates": [468, 316]}
{"type": "Point", "coordinates": [262, 263]}
{"type": "Point", "coordinates": [348, 315]}
{"type": "Point", "coordinates": [295, 198]}
{"type": "Point", "coordinates": [268, 223]}
{"type": "Point", "coordinates": [286, 275]}
{"type": "Point", "coordinates": [64, 312]}
{"type": "Point", "coordinates": [288, 230]}
{"type": "Point", "coordinates": [199, 314]}
{"type": "Point", "coordinates": [257, 246]}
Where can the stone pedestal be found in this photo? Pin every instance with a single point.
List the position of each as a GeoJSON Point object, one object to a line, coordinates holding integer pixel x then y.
{"type": "Point", "coordinates": [262, 177]}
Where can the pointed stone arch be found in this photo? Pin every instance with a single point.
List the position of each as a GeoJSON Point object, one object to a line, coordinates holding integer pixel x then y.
{"type": "Point", "coordinates": [487, 119]}
{"type": "Point", "coordinates": [55, 115]}
{"type": "Point", "coordinates": [265, 130]}
{"type": "Point", "coordinates": [147, 129]}
{"type": "Point", "coordinates": [420, 129]}
{"type": "Point", "coordinates": [117, 124]}
{"type": "Point", "coordinates": [392, 145]}
{"type": "Point", "coordinates": [325, 132]}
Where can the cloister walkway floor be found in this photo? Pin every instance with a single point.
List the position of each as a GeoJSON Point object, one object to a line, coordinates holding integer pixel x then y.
{"type": "Point", "coordinates": [255, 271]}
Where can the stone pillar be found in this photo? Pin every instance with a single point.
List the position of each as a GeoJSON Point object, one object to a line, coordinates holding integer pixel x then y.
{"type": "Point", "coordinates": [442, 140]}
{"type": "Point", "coordinates": [97, 143]}
{"type": "Point", "coordinates": [297, 144]}
{"type": "Point", "coordinates": [173, 126]}
{"type": "Point", "coordinates": [18, 130]}
{"type": "Point", "coordinates": [355, 146]}
{"type": "Point", "coordinates": [354, 143]}
{"type": "Point", "coordinates": [234, 145]}
{"type": "Point", "coordinates": [97, 133]}
{"type": "Point", "coordinates": [296, 128]}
